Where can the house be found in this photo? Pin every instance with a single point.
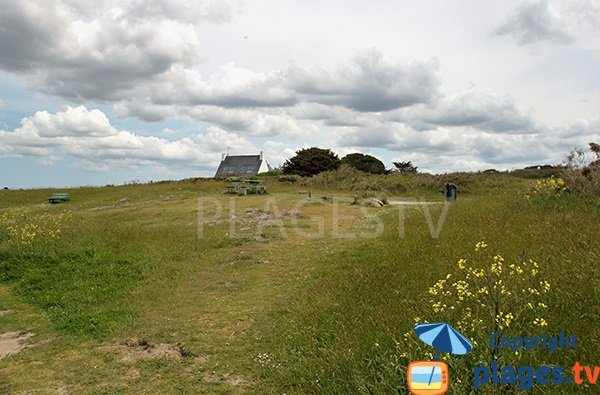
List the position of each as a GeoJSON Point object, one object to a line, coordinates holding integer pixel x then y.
{"type": "Point", "coordinates": [242, 165]}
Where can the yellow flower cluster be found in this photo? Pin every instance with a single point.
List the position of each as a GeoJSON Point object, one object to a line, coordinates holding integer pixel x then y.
{"type": "Point", "coordinates": [551, 184]}
{"type": "Point", "coordinates": [480, 245]}
{"type": "Point", "coordinates": [478, 290]}
{"type": "Point", "coordinates": [540, 322]}
{"type": "Point", "coordinates": [23, 228]}
{"type": "Point", "coordinates": [549, 187]}
{"type": "Point", "coordinates": [504, 320]}
{"type": "Point", "coordinates": [497, 265]}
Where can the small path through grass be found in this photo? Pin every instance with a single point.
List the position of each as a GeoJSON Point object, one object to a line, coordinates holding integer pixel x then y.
{"type": "Point", "coordinates": [201, 295]}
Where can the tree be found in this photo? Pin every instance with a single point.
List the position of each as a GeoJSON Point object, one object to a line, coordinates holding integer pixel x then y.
{"type": "Point", "coordinates": [311, 161]}
{"type": "Point", "coordinates": [366, 163]}
{"type": "Point", "coordinates": [595, 148]}
{"type": "Point", "coordinates": [405, 167]}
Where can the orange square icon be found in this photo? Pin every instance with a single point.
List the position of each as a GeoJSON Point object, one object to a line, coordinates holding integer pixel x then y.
{"type": "Point", "coordinates": [427, 377]}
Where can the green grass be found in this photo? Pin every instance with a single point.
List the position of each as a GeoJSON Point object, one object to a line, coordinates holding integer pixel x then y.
{"type": "Point", "coordinates": [343, 332]}
{"type": "Point", "coordinates": [280, 315]}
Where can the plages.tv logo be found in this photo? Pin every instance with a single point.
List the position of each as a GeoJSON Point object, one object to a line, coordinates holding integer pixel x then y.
{"type": "Point", "coordinates": [432, 377]}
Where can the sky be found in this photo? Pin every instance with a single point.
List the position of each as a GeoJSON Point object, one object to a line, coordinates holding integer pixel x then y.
{"type": "Point", "coordinates": [106, 92]}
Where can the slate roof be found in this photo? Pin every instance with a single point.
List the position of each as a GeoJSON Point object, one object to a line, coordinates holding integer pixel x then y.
{"type": "Point", "coordinates": [239, 165]}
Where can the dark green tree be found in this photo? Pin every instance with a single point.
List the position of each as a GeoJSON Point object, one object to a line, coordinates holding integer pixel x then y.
{"type": "Point", "coordinates": [366, 163]}
{"type": "Point", "coordinates": [405, 167]}
{"type": "Point", "coordinates": [310, 161]}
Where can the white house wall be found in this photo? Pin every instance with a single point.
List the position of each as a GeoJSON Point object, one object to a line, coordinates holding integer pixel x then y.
{"type": "Point", "coordinates": [264, 167]}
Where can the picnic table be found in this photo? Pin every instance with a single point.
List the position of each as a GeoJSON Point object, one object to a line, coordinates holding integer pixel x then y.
{"type": "Point", "coordinates": [59, 198]}
{"type": "Point", "coordinates": [245, 187]}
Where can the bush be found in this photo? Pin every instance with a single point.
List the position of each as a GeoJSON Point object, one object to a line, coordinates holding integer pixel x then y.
{"type": "Point", "coordinates": [345, 178]}
{"type": "Point", "coordinates": [310, 161]}
{"type": "Point", "coordinates": [582, 171]}
{"type": "Point", "coordinates": [548, 189]}
{"type": "Point", "coordinates": [366, 163]}
{"type": "Point", "coordinates": [542, 172]}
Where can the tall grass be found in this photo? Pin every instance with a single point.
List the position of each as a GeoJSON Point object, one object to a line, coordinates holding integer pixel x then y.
{"type": "Point", "coordinates": [345, 331]}
{"type": "Point", "coordinates": [290, 315]}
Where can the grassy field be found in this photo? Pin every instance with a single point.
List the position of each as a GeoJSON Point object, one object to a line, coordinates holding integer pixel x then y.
{"type": "Point", "coordinates": [137, 294]}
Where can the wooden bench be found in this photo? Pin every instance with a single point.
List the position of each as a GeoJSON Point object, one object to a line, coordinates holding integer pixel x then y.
{"type": "Point", "coordinates": [59, 198]}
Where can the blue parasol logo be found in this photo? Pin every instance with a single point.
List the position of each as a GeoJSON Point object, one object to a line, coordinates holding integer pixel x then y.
{"type": "Point", "coordinates": [443, 338]}
{"type": "Point", "coordinates": [432, 377]}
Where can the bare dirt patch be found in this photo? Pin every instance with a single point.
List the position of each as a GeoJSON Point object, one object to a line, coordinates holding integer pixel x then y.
{"type": "Point", "coordinates": [253, 217]}
{"type": "Point", "coordinates": [4, 312]}
{"type": "Point", "coordinates": [61, 389]}
{"type": "Point", "coordinates": [13, 342]}
{"type": "Point", "coordinates": [229, 379]}
{"type": "Point", "coordinates": [138, 349]}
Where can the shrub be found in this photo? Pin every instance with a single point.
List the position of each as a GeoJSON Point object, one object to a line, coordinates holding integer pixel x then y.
{"type": "Point", "coordinates": [311, 161]}
{"type": "Point", "coordinates": [546, 189]}
{"type": "Point", "coordinates": [582, 171]}
{"type": "Point", "coordinates": [366, 163]}
{"type": "Point", "coordinates": [345, 178]}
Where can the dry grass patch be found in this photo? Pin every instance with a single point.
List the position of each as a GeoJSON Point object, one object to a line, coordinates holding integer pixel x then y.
{"type": "Point", "coordinates": [13, 342]}
{"type": "Point", "coordinates": [141, 349]}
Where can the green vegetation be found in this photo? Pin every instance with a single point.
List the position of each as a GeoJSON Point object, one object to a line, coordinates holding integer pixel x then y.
{"type": "Point", "coordinates": [366, 163]}
{"type": "Point", "coordinates": [269, 309]}
{"type": "Point", "coordinates": [405, 167]}
{"type": "Point", "coordinates": [311, 161]}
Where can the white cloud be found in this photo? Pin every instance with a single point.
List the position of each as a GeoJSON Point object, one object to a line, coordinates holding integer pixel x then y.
{"type": "Point", "coordinates": [217, 140]}
{"type": "Point", "coordinates": [184, 10]}
{"type": "Point", "coordinates": [580, 128]}
{"type": "Point", "coordinates": [230, 86]}
{"type": "Point", "coordinates": [332, 115]}
{"type": "Point", "coordinates": [481, 109]}
{"type": "Point", "coordinates": [274, 125]}
{"type": "Point", "coordinates": [189, 61]}
{"type": "Point", "coordinates": [269, 104]}
{"type": "Point", "coordinates": [102, 57]}
{"type": "Point", "coordinates": [87, 135]}
{"type": "Point", "coordinates": [466, 148]}
{"type": "Point", "coordinates": [277, 152]}
{"type": "Point", "coordinates": [535, 22]}
{"type": "Point", "coordinates": [71, 122]}
{"type": "Point", "coordinates": [553, 21]}
{"type": "Point", "coordinates": [144, 57]}
{"type": "Point", "coordinates": [370, 82]}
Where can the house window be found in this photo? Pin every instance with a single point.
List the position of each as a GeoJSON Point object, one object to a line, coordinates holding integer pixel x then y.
{"type": "Point", "coordinates": [247, 170]}
{"type": "Point", "coordinates": [229, 170]}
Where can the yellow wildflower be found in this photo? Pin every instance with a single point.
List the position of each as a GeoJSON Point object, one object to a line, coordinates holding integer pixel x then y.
{"type": "Point", "coordinates": [480, 245]}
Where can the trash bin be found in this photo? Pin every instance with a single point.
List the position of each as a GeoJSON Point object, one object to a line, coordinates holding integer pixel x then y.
{"type": "Point", "coordinates": [451, 192]}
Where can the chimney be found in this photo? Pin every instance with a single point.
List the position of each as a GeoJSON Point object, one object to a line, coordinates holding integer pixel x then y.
{"type": "Point", "coordinates": [262, 156]}
{"type": "Point", "coordinates": [223, 157]}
